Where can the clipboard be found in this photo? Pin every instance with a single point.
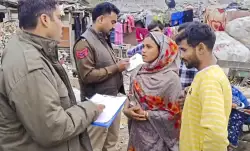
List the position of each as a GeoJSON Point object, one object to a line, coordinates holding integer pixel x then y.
{"type": "Point", "coordinates": [106, 125]}
{"type": "Point", "coordinates": [113, 106]}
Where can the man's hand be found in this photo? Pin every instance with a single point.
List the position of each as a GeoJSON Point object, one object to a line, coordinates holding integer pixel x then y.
{"type": "Point", "coordinates": [123, 64]}
{"type": "Point", "coordinates": [100, 107]}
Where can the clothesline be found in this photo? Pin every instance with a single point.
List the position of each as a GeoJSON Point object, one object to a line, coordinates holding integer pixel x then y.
{"type": "Point", "coordinates": [127, 24]}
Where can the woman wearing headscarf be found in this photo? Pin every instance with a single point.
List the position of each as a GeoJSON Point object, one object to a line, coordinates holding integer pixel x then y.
{"type": "Point", "coordinates": [152, 106]}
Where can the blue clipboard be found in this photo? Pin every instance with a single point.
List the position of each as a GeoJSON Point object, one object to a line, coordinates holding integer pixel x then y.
{"type": "Point", "coordinates": [107, 124]}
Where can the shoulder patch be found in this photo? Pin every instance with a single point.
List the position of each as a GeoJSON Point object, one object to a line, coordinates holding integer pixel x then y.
{"type": "Point", "coordinates": [80, 54]}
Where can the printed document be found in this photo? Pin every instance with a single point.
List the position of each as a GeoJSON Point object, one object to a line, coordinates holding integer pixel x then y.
{"type": "Point", "coordinates": [135, 61]}
{"type": "Point", "coordinates": [112, 106]}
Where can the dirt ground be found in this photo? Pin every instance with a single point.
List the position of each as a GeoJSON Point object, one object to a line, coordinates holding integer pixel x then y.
{"type": "Point", "coordinates": [123, 138]}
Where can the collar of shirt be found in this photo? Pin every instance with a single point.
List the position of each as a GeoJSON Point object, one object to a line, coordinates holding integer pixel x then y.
{"type": "Point", "coordinates": [104, 38]}
{"type": "Point", "coordinates": [45, 45]}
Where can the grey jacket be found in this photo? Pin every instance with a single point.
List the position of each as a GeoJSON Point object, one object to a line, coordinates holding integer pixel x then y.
{"type": "Point", "coordinates": [38, 111]}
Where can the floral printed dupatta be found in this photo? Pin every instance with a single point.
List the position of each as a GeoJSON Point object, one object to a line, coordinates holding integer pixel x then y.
{"type": "Point", "coordinates": [156, 87]}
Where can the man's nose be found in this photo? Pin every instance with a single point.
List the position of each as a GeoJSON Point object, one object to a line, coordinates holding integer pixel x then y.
{"type": "Point", "coordinates": [143, 50]}
{"type": "Point", "coordinates": [181, 54]}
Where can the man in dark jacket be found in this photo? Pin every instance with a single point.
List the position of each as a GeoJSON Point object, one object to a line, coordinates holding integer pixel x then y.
{"type": "Point", "coordinates": [38, 110]}
{"type": "Point", "coordinates": [99, 70]}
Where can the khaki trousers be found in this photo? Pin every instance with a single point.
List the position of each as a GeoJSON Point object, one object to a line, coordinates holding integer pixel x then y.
{"type": "Point", "coordinates": [105, 139]}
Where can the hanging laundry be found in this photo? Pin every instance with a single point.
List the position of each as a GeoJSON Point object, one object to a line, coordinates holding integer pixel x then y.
{"type": "Point", "coordinates": [167, 18]}
{"type": "Point", "coordinates": [149, 19]}
{"type": "Point", "coordinates": [141, 33]}
{"type": "Point", "coordinates": [90, 22]}
{"type": "Point", "coordinates": [171, 32]}
{"type": "Point", "coordinates": [177, 18]}
{"type": "Point", "coordinates": [188, 16]}
{"type": "Point", "coordinates": [2, 16]}
{"type": "Point", "coordinates": [118, 34]}
{"type": "Point", "coordinates": [129, 24]}
{"type": "Point", "coordinates": [77, 27]}
{"type": "Point", "coordinates": [158, 17]}
{"type": "Point", "coordinates": [168, 32]}
{"type": "Point", "coordinates": [112, 36]}
{"type": "Point", "coordinates": [85, 22]}
{"type": "Point", "coordinates": [139, 24]}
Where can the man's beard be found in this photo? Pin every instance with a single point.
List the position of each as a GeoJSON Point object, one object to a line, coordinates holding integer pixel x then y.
{"type": "Point", "coordinates": [110, 31]}
{"type": "Point", "coordinates": [107, 33]}
{"type": "Point", "coordinates": [192, 64]}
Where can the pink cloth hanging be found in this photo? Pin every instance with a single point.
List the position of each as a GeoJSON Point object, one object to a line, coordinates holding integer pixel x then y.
{"type": "Point", "coordinates": [118, 34]}
{"type": "Point", "coordinates": [169, 31]}
{"type": "Point", "coordinates": [125, 27]}
{"type": "Point", "coordinates": [141, 33]}
{"type": "Point", "coordinates": [129, 24]}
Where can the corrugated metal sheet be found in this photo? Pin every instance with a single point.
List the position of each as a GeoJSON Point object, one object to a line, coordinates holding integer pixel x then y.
{"type": "Point", "coordinates": [70, 1]}
{"type": "Point", "coordinates": [137, 5]}
{"type": "Point", "coordinates": [2, 7]}
{"type": "Point", "coordinates": [13, 1]}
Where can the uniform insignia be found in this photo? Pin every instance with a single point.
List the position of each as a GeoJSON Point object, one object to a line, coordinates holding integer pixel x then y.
{"type": "Point", "coordinates": [80, 54]}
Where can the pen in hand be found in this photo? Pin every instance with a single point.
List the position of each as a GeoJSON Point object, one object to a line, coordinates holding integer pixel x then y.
{"type": "Point", "coordinates": [100, 107]}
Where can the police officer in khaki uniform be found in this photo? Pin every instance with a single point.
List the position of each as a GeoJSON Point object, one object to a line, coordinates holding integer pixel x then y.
{"type": "Point", "coordinates": [99, 71]}
{"type": "Point", "coordinates": [38, 110]}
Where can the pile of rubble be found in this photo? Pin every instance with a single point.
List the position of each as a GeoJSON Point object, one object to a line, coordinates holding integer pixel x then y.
{"type": "Point", "coordinates": [7, 29]}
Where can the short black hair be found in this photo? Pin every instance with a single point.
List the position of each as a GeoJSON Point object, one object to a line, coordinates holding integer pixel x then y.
{"type": "Point", "coordinates": [197, 33]}
{"type": "Point", "coordinates": [30, 10]}
{"type": "Point", "coordinates": [183, 26]}
{"type": "Point", "coordinates": [104, 8]}
{"type": "Point", "coordinates": [154, 24]}
{"type": "Point", "coordinates": [139, 23]}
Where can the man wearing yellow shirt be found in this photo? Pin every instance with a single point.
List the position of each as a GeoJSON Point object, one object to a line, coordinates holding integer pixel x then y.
{"type": "Point", "coordinates": [209, 99]}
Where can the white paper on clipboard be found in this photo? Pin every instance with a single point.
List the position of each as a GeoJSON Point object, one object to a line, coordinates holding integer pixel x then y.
{"type": "Point", "coordinates": [135, 61]}
{"type": "Point", "coordinates": [112, 105]}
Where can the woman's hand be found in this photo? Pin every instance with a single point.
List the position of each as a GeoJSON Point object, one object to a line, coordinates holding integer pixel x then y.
{"type": "Point", "coordinates": [186, 89]}
{"type": "Point", "coordinates": [181, 102]}
{"type": "Point", "coordinates": [136, 113]}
